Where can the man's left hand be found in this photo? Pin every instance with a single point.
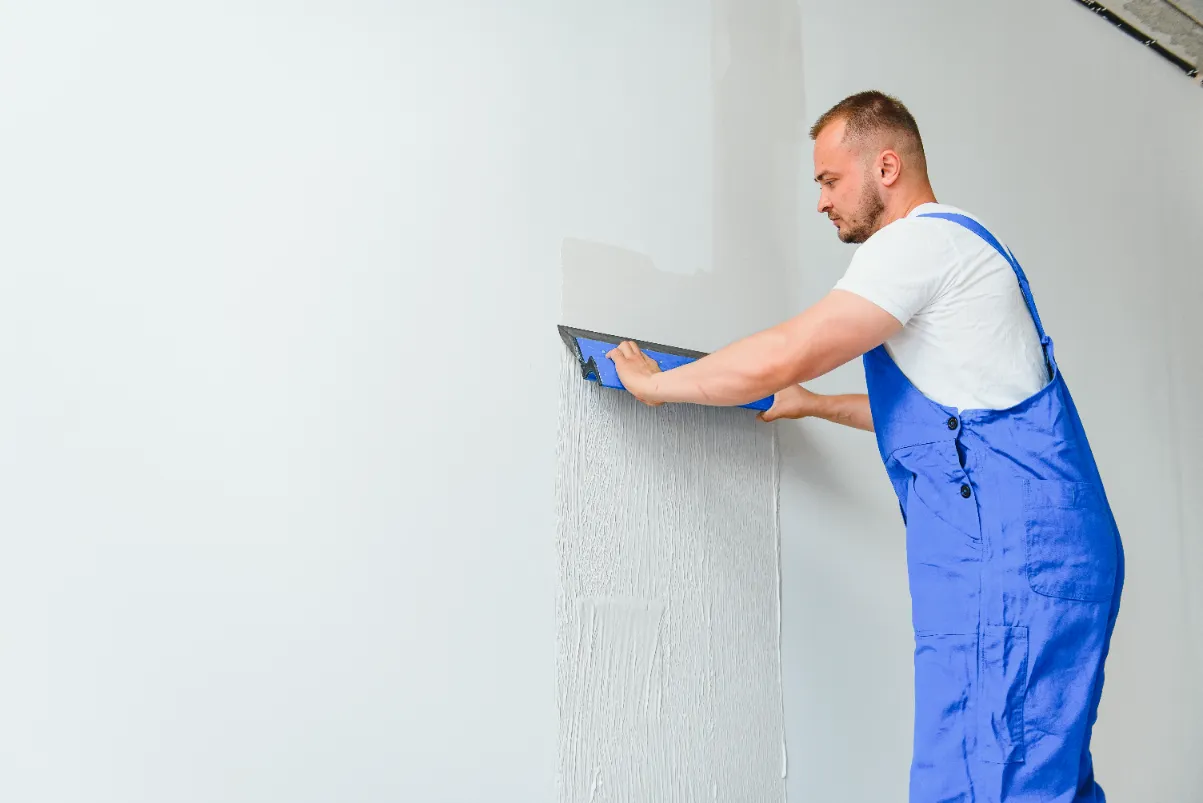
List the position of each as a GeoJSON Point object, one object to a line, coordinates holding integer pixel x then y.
{"type": "Point", "coordinates": [636, 370]}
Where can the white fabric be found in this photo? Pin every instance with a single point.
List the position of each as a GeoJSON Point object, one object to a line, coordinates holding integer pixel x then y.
{"type": "Point", "coordinates": [968, 340]}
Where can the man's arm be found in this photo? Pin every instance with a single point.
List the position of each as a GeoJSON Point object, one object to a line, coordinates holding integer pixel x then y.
{"type": "Point", "coordinates": [851, 410]}
{"type": "Point", "coordinates": [839, 328]}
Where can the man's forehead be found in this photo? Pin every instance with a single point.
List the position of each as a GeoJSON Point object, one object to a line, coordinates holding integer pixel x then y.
{"type": "Point", "coordinates": [833, 132]}
{"type": "Point", "coordinates": [830, 161]}
{"type": "Point", "coordinates": [831, 152]}
{"type": "Point", "coordinates": [823, 167]}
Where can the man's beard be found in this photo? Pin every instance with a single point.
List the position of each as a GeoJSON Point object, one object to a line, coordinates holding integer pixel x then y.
{"type": "Point", "coordinates": [868, 216]}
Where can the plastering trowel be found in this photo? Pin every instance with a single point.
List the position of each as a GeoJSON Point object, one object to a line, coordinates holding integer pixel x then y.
{"type": "Point", "coordinates": [590, 349]}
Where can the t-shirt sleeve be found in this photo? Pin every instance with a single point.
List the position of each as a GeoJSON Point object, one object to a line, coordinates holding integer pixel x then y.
{"type": "Point", "coordinates": [901, 268]}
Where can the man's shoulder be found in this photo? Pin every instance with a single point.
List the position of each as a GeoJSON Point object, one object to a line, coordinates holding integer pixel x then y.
{"type": "Point", "coordinates": [939, 209]}
{"type": "Point", "coordinates": [913, 236]}
{"type": "Point", "coordinates": [937, 215]}
{"type": "Point", "coordinates": [926, 231]}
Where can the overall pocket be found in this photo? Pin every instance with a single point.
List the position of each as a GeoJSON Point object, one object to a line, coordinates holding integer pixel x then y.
{"type": "Point", "coordinates": [1004, 682]}
{"type": "Point", "coordinates": [1071, 540]}
{"type": "Point", "coordinates": [944, 682]}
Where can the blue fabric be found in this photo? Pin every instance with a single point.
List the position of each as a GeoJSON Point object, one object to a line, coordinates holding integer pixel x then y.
{"type": "Point", "coordinates": [1015, 567]}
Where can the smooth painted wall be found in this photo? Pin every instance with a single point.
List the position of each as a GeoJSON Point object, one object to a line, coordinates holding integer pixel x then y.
{"type": "Point", "coordinates": [1082, 151]}
{"type": "Point", "coordinates": [277, 516]}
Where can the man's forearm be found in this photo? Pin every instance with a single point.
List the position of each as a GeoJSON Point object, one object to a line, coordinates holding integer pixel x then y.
{"type": "Point", "coordinates": [837, 329]}
{"type": "Point", "coordinates": [851, 410]}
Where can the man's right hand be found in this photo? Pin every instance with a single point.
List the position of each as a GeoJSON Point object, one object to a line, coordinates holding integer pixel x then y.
{"type": "Point", "coordinates": [793, 402]}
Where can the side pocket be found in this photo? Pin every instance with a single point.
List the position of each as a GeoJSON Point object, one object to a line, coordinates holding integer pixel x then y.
{"type": "Point", "coordinates": [944, 670]}
{"type": "Point", "coordinates": [1004, 682]}
{"type": "Point", "coordinates": [1071, 540]}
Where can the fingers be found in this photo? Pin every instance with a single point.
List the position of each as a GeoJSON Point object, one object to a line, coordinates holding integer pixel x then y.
{"type": "Point", "coordinates": [634, 368]}
{"type": "Point", "coordinates": [774, 413]}
{"type": "Point", "coordinates": [630, 349]}
{"type": "Point", "coordinates": [627, 350]}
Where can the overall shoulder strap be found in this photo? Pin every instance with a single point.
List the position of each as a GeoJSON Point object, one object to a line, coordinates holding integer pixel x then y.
{"type": "Point", "coordinates": [980, 231]}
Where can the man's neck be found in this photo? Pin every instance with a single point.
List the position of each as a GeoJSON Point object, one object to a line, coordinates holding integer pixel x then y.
{"type": "Point", "coordinates": [908, 203]}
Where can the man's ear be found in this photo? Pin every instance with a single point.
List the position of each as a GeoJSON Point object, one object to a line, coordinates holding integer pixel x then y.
{"type": "Point", "coordinates": [890, 166]}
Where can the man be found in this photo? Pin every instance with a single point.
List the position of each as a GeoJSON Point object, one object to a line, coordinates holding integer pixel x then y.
{"type": "Point", "coordinates": [1014, 559]}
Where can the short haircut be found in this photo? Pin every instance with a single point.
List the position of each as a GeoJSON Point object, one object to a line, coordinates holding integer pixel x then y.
{"type": "Point", "coordinates": [872, 115]}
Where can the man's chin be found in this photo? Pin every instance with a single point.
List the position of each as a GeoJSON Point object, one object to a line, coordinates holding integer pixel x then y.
{"type": "Point", "coordinates": [851, 237]}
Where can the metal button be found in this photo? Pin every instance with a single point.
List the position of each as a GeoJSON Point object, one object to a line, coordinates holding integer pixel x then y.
{"type": "Point", "coordinates": [953, 423]}
{"type": "Point", "coordinates": [965, 491]}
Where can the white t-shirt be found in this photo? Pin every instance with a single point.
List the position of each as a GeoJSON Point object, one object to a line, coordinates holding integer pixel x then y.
{"type": "Point", "coordinates": [968, 340]}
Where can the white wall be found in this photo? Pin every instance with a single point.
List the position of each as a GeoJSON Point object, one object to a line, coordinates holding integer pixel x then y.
{"type": "Point", "coordinates": [206, 540]}
{"type": "Point", "coordinates": [277, 515]}
{"type": "Point", "coordinates": [1082, 151]}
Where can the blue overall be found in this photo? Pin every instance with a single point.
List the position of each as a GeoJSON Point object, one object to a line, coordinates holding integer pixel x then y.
{"type": "Point", "coordinates": [1015, 569]}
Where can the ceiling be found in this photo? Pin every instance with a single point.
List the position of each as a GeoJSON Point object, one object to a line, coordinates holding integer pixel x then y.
{"type": "Point", "coordinates": [1176, 24]}
{"type": "Point", "coordinates": [1193, 7]}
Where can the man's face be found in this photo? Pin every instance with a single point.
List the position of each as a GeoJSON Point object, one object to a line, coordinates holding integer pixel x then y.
{"type": "Point", "coordinates": [848, 191]}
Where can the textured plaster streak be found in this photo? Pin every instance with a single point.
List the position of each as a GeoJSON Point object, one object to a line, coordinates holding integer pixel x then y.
{"type": "Point", "coordinates": [668, 626]}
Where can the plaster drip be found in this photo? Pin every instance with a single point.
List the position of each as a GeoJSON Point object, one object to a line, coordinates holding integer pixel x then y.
{"type": "Point", "coordinates": [668, 615]}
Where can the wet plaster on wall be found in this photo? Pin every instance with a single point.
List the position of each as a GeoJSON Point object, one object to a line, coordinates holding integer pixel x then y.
{"type": "Point", "coordinates": [669, 674]}
{"type": "Point", "coordinates": [669, 604]}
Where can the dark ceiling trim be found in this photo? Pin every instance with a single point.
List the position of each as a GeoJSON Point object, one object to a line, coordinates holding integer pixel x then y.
{"type": "Point", "coordinates": [1145, 39]}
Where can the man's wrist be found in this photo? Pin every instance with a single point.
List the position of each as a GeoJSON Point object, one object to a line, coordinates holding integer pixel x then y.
{"type": "Point", "coordinates": [821, 407]}
{"type": "Point", "coordinates": [655, 388]}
